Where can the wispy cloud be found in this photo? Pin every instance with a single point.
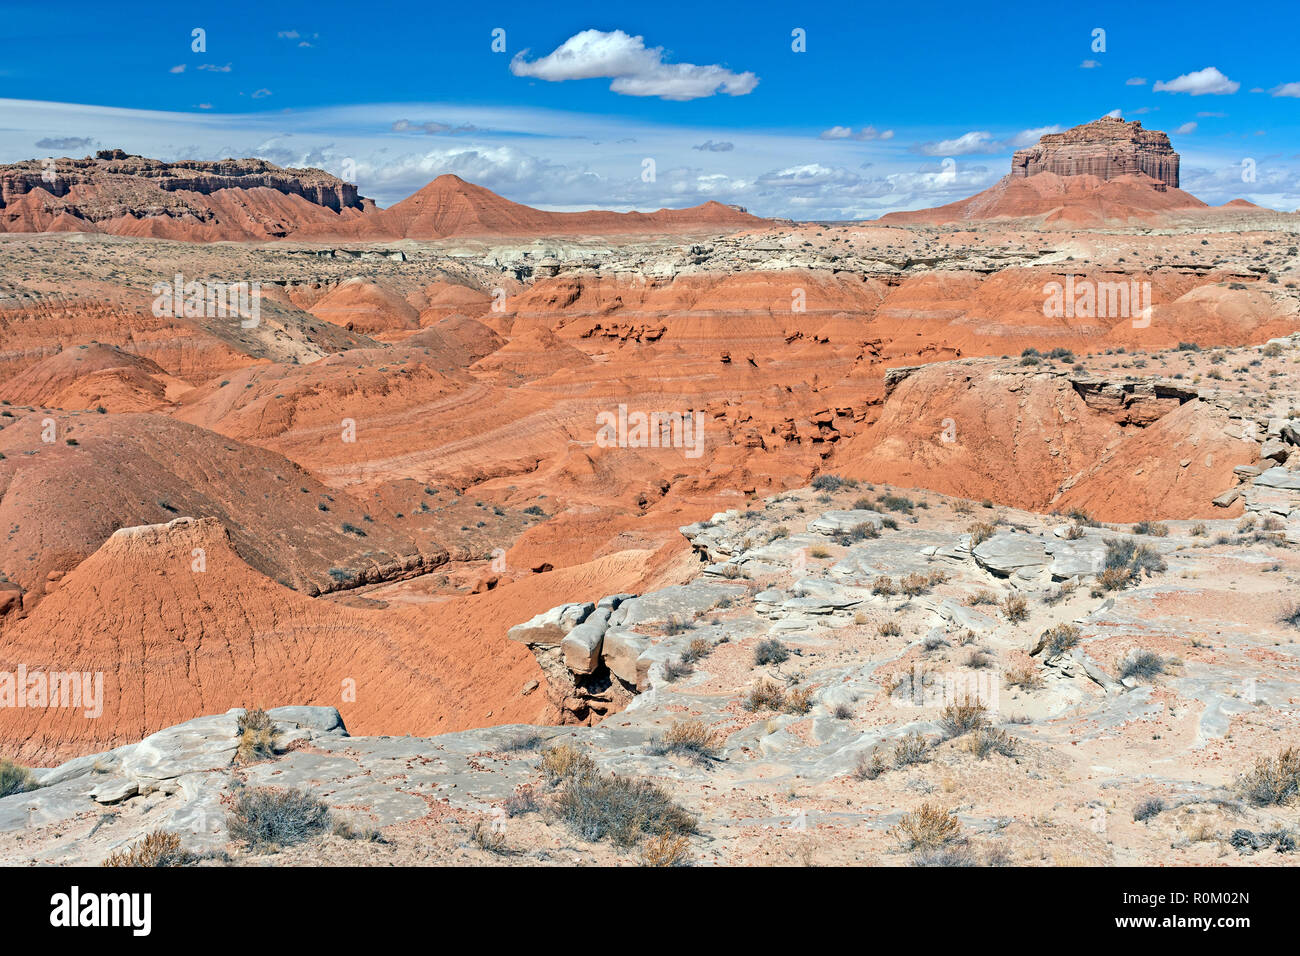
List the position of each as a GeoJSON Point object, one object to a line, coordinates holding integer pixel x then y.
{"type": "Point", "coordinates": [865, 134]}
{"type": "Point", "coordinates": [64, 142]}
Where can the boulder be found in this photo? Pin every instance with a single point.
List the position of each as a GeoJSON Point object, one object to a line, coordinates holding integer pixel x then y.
{"type": "Point", "coordinates": [550, 627]}
{"type": "Point", "coordinates": [1008, 552]}
{"type": "Point", "coordinates": [834, 522]}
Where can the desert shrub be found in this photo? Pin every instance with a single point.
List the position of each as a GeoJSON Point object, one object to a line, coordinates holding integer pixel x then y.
{"type": "Point", "coordinates": [890, 629]}
{"type": "Point", "coordinates": [1114, 579]}
{"type": "Point", "coordinates": [257, 735]}
{"type": "Point", "coordinates": [895, 503]}
{"type": "Point", "coordinates": [159, 848]}
{"type": "Point", "coordinates": [818, 552]}
{"type": "Point", "coordinates": [912, 749]}
{"type": "Point", "coordinates": [1124, 554]}
{"type": "Point", "coordinates": [487, 837]}
{"type": "Point", "coordinates": [828, 483]}
{"type": "Point", "coordinates": [799, 701]}
{"type": "Point", "coordinates": [1274, 780]}
{"type": "Point", "coordinates": [927, 827]}
{"type": "Point", "coordinates": [980, 532]}
{"type": "Point", "coordinates": [1148, 808]}
{"type": "Point", "coordinates": [264, 817]}
{"type": "Point", "coordinates": [667, 849]}
{"type": "Point", "coordinates": [1060, 639]}
{"type": "Point", "coordinates": [988, 740]}
{"type": "Point", "coordinates": [771, 651]}
{"type": "Point", "coordinates": [523, 740]}
{"type": "Point", "coordinates": [676, 670]}
{"type": "Point", "coordinates": [765, 695]}
{"type": "Point", "coordinates": [933, 642]}
{"type": "Point", "coordinates": [946, 856]}
{"type": "Point", "coordinates": [982, 596]}
{"type": "Point", "coordinates": [914, 584]}
{"type": "Point", "coordinates": [677, 624]}
{"type": "Point", "coordinates": [698, 650]}
{"type": "Point", "coordinates": [522, 801]}
{"type": "Point", "coordinates": [623, 810]}
{"type": "Point", "coordinates": [1199, 530]}
{"type": "Point", "coordinates": [1026, 678]}
{"type": "Point", "coordinates": [564, 761]}
{"type": "Point", "coordinates": [883, 585]}
{"type": "Point", "coordinates": [958, 719]}
{"type": "Point", "coordinates": [690, 739]}
{"type": "Point", "coordinates": [1015, 607]}
{"type": "Point", "coordinates": [15, 779]}
{"type": "Point", "coordinates": [979, 659]}
{"type": "Point", "coordinates": [1153, 528]}
{"type": "Point", "coordinates": [535, 510]}
{"type": "Point", "coordinates": [869, 767]}
{"type": "Point", "coordinates": [842, 712]}
{"type": "Point", "coordinates": [1074, 532]}
{"type": "Point", "coordinates": [1290, 615]}
{"type": "Point", "coordinates": [1142, 664]}
{"type": "Point", "coordinates": [859, 532]}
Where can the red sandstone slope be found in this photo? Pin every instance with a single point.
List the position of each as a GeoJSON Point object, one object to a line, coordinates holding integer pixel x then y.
{"type": "Point", "coordinates": [449, 206]}
{"type": "Point", "coordinates": [69, 480]}
{"type": "Point", "coordinates": [1072, 200]}
{"type": "Point", "coordinates": [1045, 441]}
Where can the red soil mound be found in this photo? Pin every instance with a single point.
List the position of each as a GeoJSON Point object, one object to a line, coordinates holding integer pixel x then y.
{"type": "Point", "coordinates": [1063, 200]}
{"type": "Point", "coordinates": [1040, 441]}
{"type": "Point", "coordinates": [61, 498]}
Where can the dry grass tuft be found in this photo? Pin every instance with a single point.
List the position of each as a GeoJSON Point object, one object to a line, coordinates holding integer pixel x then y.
{"type": "Point", "coordinates": [257, 733]}
{"type": "Point", "coordinates": [927, 828]}
{"type": "Point", "coordinates": [159, 848]}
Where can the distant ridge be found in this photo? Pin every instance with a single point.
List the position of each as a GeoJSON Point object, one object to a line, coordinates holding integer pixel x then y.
{"type": "Point", "coordinates": [250, 199]}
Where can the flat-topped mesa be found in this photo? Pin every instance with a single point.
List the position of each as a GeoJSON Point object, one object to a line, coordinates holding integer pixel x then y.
{"type": "Point", "coordinates": [126, 183]}
{"type": "Point", "coordinates": [1106, 148]}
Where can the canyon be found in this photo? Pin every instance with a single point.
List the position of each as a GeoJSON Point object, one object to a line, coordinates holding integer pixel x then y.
{"type": "Point", "coordinates": [391, 511]}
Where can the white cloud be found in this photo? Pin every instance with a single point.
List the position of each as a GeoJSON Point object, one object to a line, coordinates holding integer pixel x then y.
{"type": "Point", "coordinates": [1136, 81]}
{"type": "Point", "coordinates": [1208, 80]}
{"type": "Point", "coordinates": [635, 69]}
{"type": "Point", "coordinates": [261, 94]}
{"type": "Point", "coordinates": [1288, 89]}
{"type": "Point", "coordinates": [1028, 137]}
{"type": "Point", "coordinates": [1185, 129]}
{"type": "Point", "coordinates": [709, 146]}
{"type": "Point", "coordinates": [976, 141]}
{"type": "Point", "coordinates": [179, 68]}
{"type": "Point", "coordinates": [1089, 65]}
{"type": "Point", "coordinates": [1116, 113]}
{"type": "Point", "coordinates": [213, 68]}
{"type": "Point", "coordinates": [865, 134]}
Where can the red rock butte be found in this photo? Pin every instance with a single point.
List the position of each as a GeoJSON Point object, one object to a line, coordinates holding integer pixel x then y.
{"type": "Point", "coordinates": [1106, 148]}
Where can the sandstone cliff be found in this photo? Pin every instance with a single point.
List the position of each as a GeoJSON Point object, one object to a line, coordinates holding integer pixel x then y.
{"type": "Point", "coordinates": [1106, 148]}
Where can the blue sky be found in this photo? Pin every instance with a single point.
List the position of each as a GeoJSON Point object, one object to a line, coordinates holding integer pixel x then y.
{"type": "Point", "coordinates": [860, 123]}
